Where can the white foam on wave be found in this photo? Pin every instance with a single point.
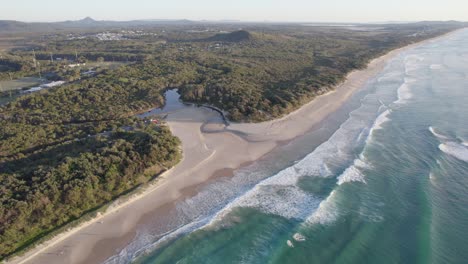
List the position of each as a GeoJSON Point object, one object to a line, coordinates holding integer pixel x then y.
{"type": "Point", "coordinates": [381, 119]}
{"type": "Point", "coordinates": [455, 149]}
{"type": "Point", "coordinates": [412, 63]}
{"type": "Point", "coordinates": [326, 213]}
{"type": "Point", "coordinates": [353, 173]}
{"type": "Point", "coordinates": [328, 210]}
{"type": "Point", "coordinates": [389, 77]}
{"type": "Point", "coordinates": [404, 91]}
{"type": "Point", "coordinates": [280, 194]}
{"type": "Point", "coordinates": [286, 201]}
{"type": "Point", "coordinates": [145, 244]}
{"type": "Point", "coordinates": [436, 134]}
{"type": "Point", "coordinates": [435, 66]}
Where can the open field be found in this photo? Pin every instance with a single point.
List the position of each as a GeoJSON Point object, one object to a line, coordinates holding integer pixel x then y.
{"type": "Point", "coordinates": [24, 82]}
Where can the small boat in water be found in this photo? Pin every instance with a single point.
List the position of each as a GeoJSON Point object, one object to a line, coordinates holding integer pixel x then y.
{"type": "Point", "coordinates": [290, 244]}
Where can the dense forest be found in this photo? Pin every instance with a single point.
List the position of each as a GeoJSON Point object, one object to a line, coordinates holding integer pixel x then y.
{"type": "Point", "coordinates": [48, 188]}
{"type": "Point", "coordinates": [254, 74]}
{"type": "Point", "coordinates": [71, 149]}
{"type": "Point", "coordinates": [67, 150]}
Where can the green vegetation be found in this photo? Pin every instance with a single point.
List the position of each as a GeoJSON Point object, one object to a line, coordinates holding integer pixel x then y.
{"type": "Point", "coordinates": [254, 74]}
{"type": "Point", "coordinates": [51, 187]}
{"type": "Point", "coordinates": [71, 149]}
{"type": "Point", "coordinates": [68, 150]}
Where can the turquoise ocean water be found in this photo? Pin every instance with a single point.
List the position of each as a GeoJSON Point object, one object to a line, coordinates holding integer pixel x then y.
{"type": "Point", "coordinates": [387, 184]}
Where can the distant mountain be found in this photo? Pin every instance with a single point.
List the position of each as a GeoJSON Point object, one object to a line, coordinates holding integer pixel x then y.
{"type": "Point", "coordinates": [82, 23]}
{"type": "Point", "coordinates": [10, 26]}
{"type": "Point", "coordinates": [86, 20]}
{"type": "Point", "coordinates": [7, 26]}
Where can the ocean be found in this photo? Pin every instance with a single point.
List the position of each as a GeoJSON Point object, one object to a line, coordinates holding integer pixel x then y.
{"type": "Point", "coordinates": [387, 181]}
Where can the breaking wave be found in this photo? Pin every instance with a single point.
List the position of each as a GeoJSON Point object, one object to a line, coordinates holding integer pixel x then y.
{"type": "Point", "coordinates": [456, 150]}
{"type": "Point", "coordinates": [404, 92]}
{"type": "Point", "coordinates": [437, 134]}
{"type": "Point", "coordinates": [382, 118]}
{"type": "Point", "coordinates": [326, 213]}
{"type": "Point", "coordinates": [412, 63]}
{"type": "Point", "coordinates": [390, 77]}
{"type": "Point", "coordinates": [145, 243]}
{"type": "Point", "coordinates": [353, 173]}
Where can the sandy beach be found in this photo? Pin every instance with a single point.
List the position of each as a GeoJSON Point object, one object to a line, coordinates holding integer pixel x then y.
{"type": "Point", "coordinates": [209, 150]}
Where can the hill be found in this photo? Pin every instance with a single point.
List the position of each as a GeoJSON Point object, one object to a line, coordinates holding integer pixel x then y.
{"type": "Point", "coordinates": [11, 26]}
{"type": "Point", "coordinates": [236, 36]}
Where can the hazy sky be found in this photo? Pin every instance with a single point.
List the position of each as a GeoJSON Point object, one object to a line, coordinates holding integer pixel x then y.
{"type": "Point", "coordinates": [246, 10]}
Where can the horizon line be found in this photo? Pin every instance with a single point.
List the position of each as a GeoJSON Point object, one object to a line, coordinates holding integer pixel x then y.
{"type": "Point", "coordinates": [241, 21]}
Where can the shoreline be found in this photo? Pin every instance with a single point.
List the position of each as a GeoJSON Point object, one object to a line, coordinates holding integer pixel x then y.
{"type": "Point", "coordinates": [209, 149]}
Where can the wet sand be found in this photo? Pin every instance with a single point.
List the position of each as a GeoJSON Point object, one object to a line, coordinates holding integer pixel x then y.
{"type": "Point", "coordinates": [209, 150]}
